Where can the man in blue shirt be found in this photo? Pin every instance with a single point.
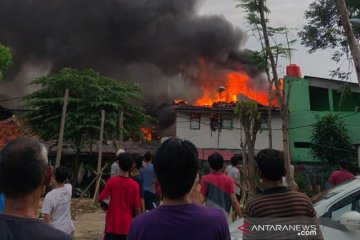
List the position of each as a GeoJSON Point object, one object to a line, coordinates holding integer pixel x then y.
{"type": "Point", "coordinates": [148, 175]}
{"type": "Point", "coordinates": [1, 202]}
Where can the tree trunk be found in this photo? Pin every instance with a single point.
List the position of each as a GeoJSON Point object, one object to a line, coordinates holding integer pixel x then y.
{"type": "Point", "coordinates": [77, 158]}
{"type": "Point", "coordinates": [353, 42]}
{"type": "Point", "coordinates": [270, 112]}
{"type": "Point", "coordinates": [285, 131]}
{"type": "Point", "coordinates": [281, 100]}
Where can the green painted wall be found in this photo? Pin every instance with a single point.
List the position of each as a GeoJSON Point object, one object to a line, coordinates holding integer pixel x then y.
{"type": "Point", "coordinates": [307, 104]}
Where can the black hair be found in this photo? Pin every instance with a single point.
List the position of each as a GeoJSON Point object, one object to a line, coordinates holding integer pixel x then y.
{"type": "Point", "coordinates": [125, 161]}
{"type": "Point", "coordinates": [22, 166]}
{"type": "Point", "coordinates": [148, 156]}
{"type": "Point", "coordinates": [138, 160]}
{"type": "Point", "coordinates": [271, 164]}
{"type": "Point", "coordinates": [216, 161]}
{"type": "Point", "coordinates": [176, 167]}
{"type": "Point", "coordinates": [61, 174]}
{"type": "Point", "coordinates": [343, 164]}
{"type": "Point", "coordinates": [235, 160]}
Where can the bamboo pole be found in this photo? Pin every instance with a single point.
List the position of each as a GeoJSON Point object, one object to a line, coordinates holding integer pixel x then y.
{"type": "Point", "coordinates": [62, 127]}
{"type": "Point", "coordinates": [100, 156]}
{"type": "Point", "coordinates": [121, 128]}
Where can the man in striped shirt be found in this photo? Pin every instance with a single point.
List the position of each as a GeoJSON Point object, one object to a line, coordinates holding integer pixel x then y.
{"type": "Point", "coordinates": [278, 207]}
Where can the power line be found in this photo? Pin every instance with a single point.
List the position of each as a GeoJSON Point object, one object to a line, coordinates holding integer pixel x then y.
{"type": "Point", "coordinates": [9, 99]}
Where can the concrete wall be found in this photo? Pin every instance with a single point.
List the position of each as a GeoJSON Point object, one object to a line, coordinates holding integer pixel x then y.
{"type": "Point", "coordinates": [228, 139]}
{"type": "Point", "coordinates": [302, 118]}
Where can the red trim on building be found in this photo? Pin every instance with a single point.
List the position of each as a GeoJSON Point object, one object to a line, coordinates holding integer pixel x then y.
{"type": "Point", "coordinates": [205, 153]}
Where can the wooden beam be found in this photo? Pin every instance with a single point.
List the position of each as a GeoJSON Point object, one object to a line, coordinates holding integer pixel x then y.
{"type": "Point", "coordinates": [62, 127]}
{"type": "Point", "coordinates": [100, 156]}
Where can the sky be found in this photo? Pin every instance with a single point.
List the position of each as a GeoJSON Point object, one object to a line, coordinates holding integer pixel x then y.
{"type": "Point", "coordinates": [289, 13]}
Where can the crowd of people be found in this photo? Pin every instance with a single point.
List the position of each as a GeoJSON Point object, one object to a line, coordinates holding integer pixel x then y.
{"type": "Point", "coordinates": [146, 198]}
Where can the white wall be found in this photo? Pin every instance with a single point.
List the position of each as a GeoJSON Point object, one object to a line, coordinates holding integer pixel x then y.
{"type": "Point", "coordinates": [228, 139]}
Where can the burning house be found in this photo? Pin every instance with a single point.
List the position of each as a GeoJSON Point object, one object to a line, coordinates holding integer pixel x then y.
{"type": "Point", "coordinates": [217, 127]}
{"type": "Point", "coordinates": [211, 123]}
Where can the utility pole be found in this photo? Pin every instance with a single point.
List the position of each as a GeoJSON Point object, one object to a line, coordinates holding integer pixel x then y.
{"type": "Point", "coordinates": [62, 127]}
{"type": "Point", "coordinates": [121, 128]}
{"type": "Point", "coordinates": [220, 89]}
{"type": "Point", "coordinates": [98, 172]}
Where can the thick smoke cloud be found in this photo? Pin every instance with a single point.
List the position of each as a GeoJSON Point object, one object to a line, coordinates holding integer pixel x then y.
{"type": "Point", "coordinates": [110, 34]}
{"type": "Point", "coordinates": [157, 43]}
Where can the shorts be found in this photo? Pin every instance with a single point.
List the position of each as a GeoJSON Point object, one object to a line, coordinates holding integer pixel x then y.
{"type": "Point", "coordinates": [150, 200]}
{"type": "Point", "coordinates": [238, 197]}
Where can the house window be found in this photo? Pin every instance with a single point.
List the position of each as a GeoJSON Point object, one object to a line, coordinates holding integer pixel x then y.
{"type": "Point", "coordinates": [264, 121]}
{"type": "Point", "coordinates": [195, 121]}
{"type": "Point", "coordinates": [227, 123]}
{"type": "Point", "coordinates": [302, 145]}
{"type": "Point", "coordinates": [347, 102]}
{"type": "Point", "coordinates": [319, 99]}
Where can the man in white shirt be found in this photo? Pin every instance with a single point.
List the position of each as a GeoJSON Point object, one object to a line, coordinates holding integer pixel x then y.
{"type": "Point", "coordinates": [115, 169]}
{"type": "Point", "coordinates": [56, 206]}
{"type": "Point", "coordinates": [233, 172]}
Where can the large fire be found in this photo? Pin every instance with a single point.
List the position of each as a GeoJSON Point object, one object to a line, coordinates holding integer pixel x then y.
{"type": "Point", "coordinates": [147, 135]}
{"type": "Point", "coordinates": [235, 83]}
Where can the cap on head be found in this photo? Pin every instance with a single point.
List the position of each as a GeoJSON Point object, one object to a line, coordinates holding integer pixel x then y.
{"type": "Point", "coordinates": [120, 151]}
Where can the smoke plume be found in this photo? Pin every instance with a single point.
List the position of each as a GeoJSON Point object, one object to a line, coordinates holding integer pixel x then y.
{"type": "Point", "coordinates": [157, 43]}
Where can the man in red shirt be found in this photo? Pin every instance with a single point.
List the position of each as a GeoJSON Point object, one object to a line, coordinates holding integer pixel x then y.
{"type": "Point", "coordinates": [341, 175]}
{"type": "Point", "coordinates": [124, 203]}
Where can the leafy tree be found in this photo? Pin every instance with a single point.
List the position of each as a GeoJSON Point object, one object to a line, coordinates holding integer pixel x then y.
{"type": "Point", "coordinates": [330, 141]}
{"type": "Point", "coordinates": [278, 49]}
{"type": "Point", "coordinates": [257, 11]}
{"type": "Point", "coordinates": [325, 29]}
{"type": "Point", "coordinates": [5, 60]}
{"type": "Point", "coordinates": [250, 119]}
{"type": "Point", "coordinates": [89, 93]}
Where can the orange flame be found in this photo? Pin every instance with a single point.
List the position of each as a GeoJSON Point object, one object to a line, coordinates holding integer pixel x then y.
{"type": "Point", "coordinates": [237, 84]}
{"type": "Point", "coordinates": [180, 102]}
{"type": "Point", "coordinates": [147, 134]}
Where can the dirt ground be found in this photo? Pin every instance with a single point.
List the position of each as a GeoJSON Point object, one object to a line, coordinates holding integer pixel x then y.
{"type": "Point", "coordinates": [89, 220]}
{"type": "Point", "coordinates": [90, 226]}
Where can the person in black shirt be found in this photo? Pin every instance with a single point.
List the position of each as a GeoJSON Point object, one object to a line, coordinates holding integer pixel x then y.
{"type": "Point", "coordinates": [135, 174]}
{"type": "Point", "coordinates": [24, 172]}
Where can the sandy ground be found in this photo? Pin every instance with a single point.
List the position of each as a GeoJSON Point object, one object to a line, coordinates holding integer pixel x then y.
{"type": "Point", "coordinates": [90, 225]}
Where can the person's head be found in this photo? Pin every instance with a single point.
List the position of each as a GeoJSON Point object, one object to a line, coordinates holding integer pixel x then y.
{"type": "Point", "coordinates": [138, 161]}
{"type": "Point", "coordinates": [125, 161]}
{"type": "Point", "coordinates": [343, 165]}
{"type": "Point", "coordinates": [176, 167]}
{"type": "Point", "coordinates": [147, 156]}
{"type": "Point", "coordinates": [61, 174]}
{"type": "Point", "coordinates": [23, 167]}
{"type": "Point", "coordinates": [216, 161]}
{"type": "Point", "coordinates": [235, 160]}
{"type": "Point", "coordinates": [118, 152]}
{"type": "Point", "coordinates": [271, 164]}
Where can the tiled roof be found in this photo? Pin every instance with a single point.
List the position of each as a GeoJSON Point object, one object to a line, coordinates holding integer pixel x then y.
{"type": "Point", "coordinates": [11, 129]}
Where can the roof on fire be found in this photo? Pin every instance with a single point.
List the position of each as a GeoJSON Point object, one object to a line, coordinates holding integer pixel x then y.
{"type": "Point", "coordinates": [10, 129]}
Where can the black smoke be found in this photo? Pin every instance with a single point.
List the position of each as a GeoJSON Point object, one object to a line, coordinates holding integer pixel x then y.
{"type": "Point", "coordinates": [157, 43]}
{"type": "Point", "coordinates": [109, 34]}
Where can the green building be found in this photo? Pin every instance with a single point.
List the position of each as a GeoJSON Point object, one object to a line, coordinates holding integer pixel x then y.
{"type": "Point", "coordinates": [312, 98]}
